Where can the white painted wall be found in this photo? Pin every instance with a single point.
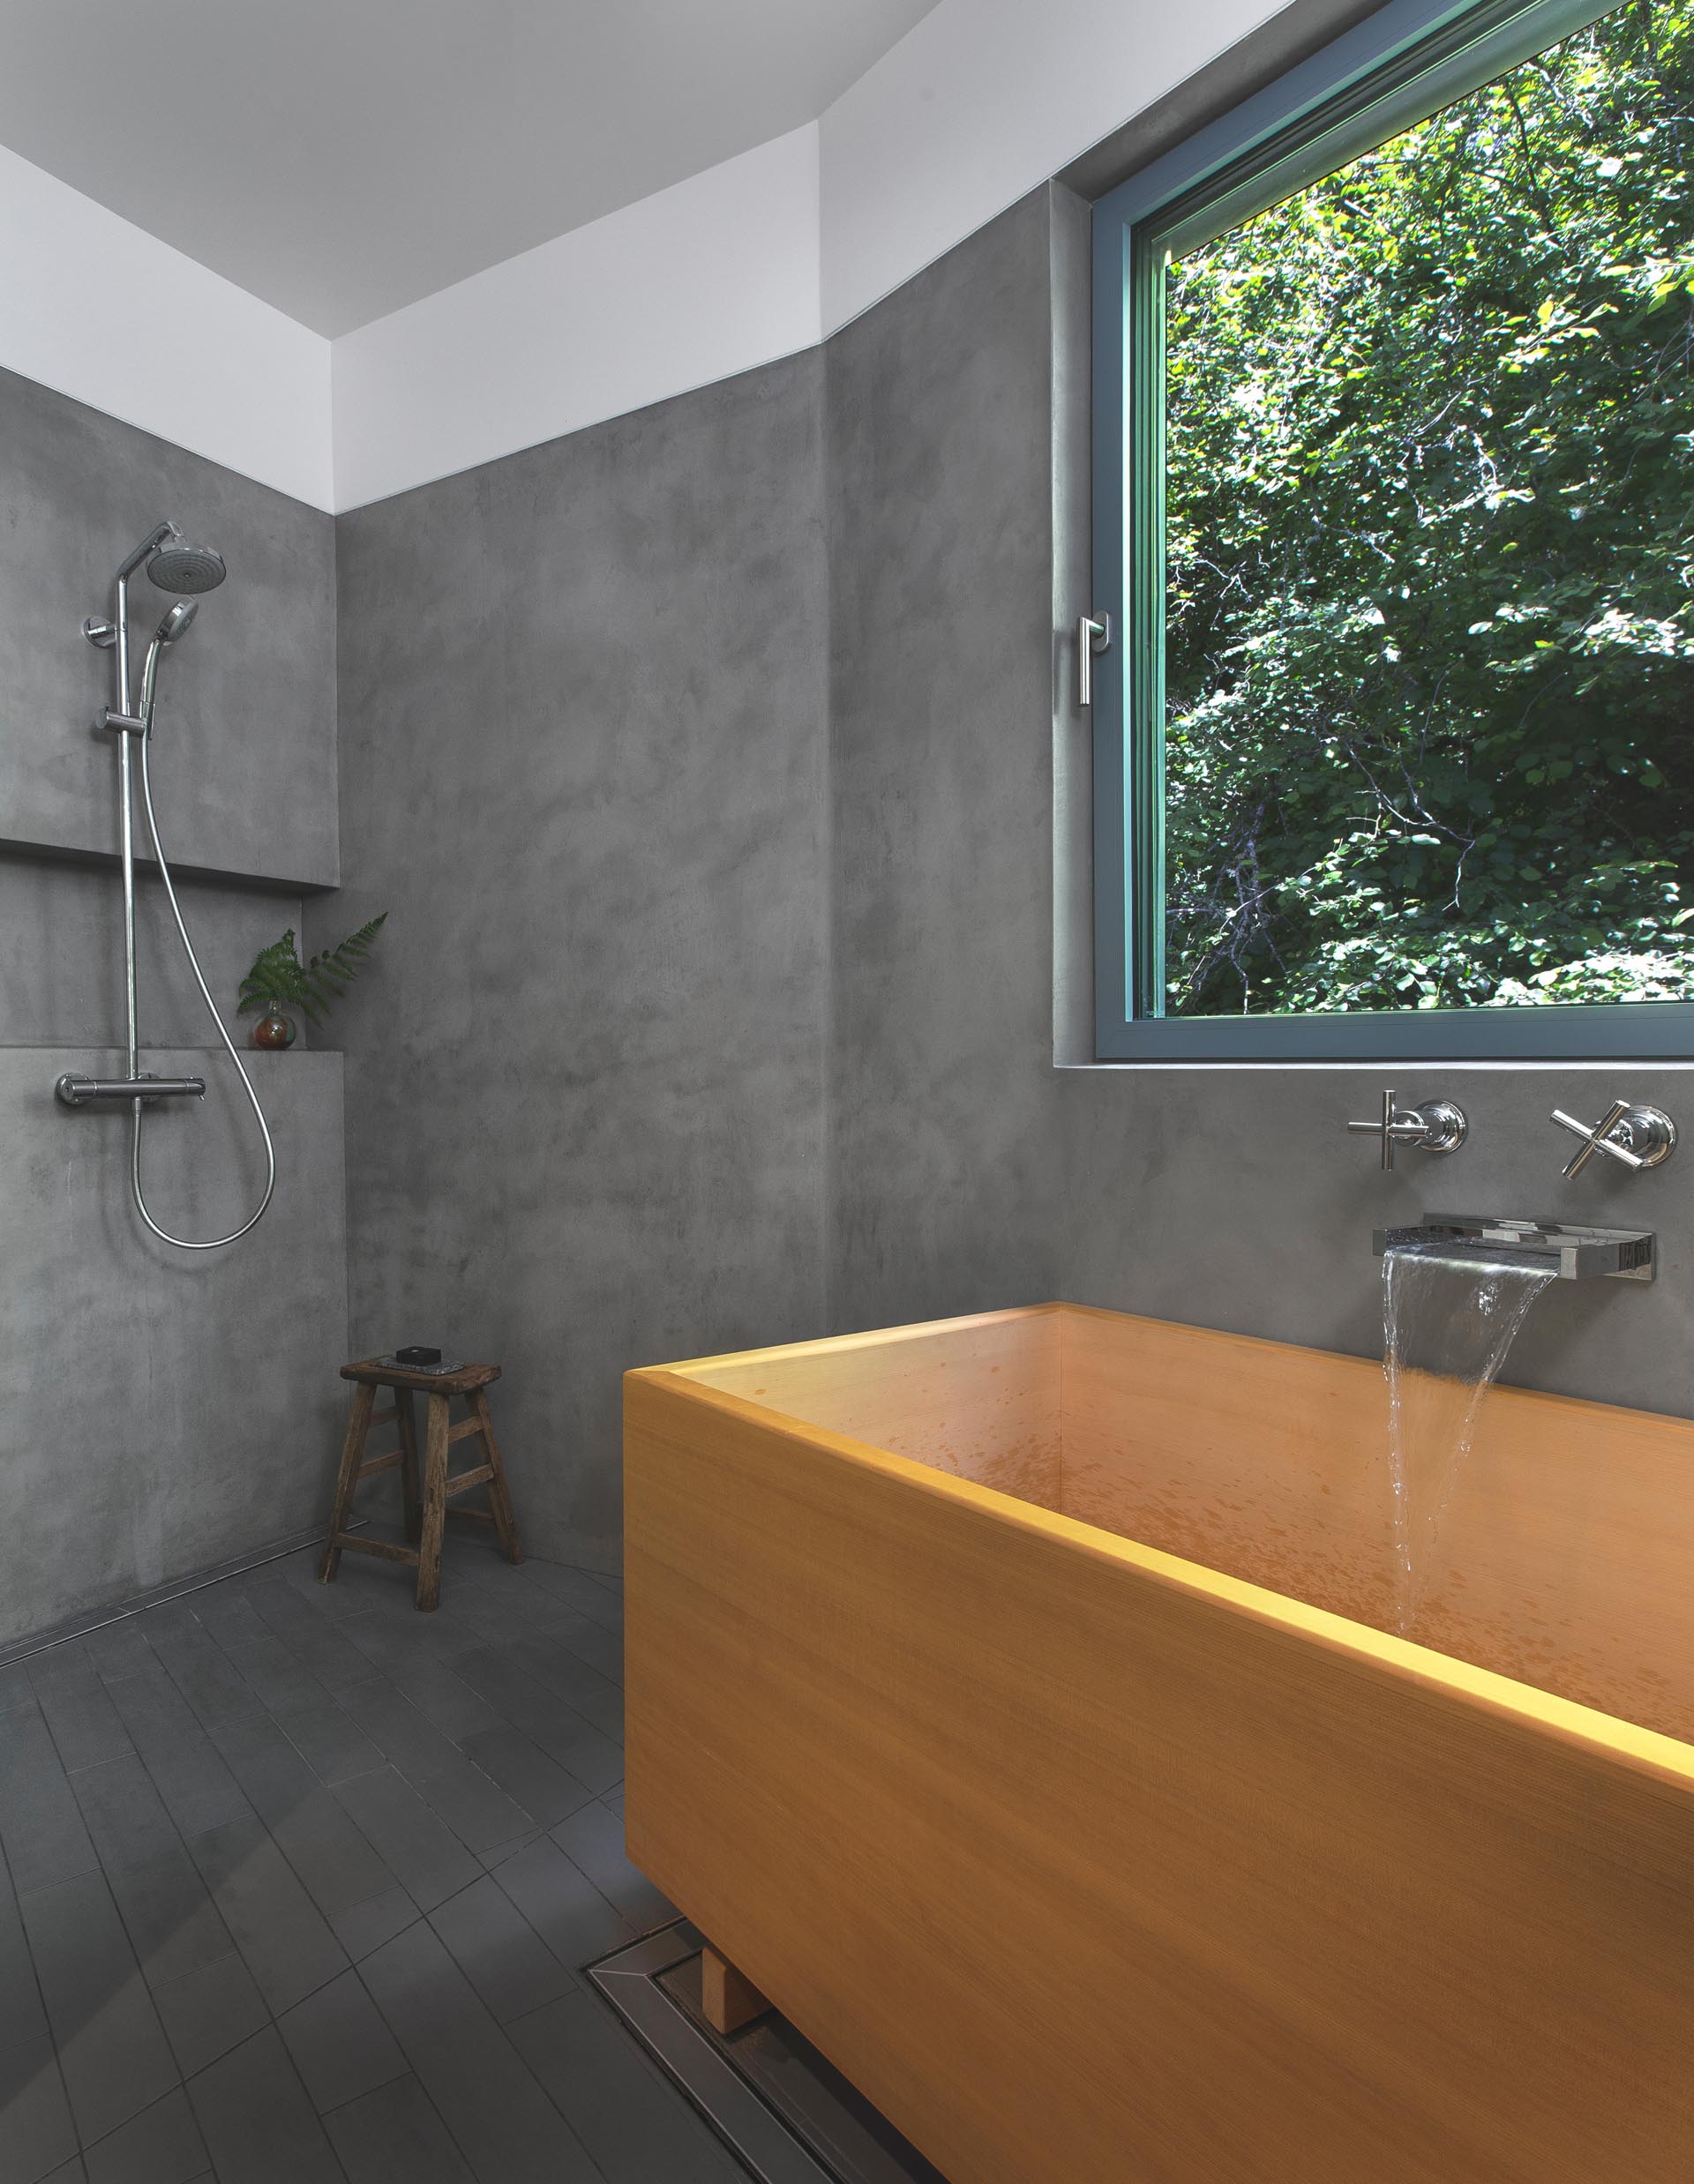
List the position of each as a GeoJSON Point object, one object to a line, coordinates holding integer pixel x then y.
{"type": "Point", "coordinates": [750, 260]}
{"type": "Point", "coordinates": [103, 311]}
{"type": "Point", "coordinates": [978, 103]}
{"type": "Point", "coordinates": [708, 278]}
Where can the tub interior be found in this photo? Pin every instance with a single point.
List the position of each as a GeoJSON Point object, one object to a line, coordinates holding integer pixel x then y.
{"type": "Point", "coordinates": [1566, 1556]}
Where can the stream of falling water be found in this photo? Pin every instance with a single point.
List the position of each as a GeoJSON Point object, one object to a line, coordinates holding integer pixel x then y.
{"type": "Point", "coordinates": [1449, 1315]}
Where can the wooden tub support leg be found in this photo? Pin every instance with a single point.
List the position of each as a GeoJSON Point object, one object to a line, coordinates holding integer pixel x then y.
{"type": "Point", "coordinates": [727, 1998]}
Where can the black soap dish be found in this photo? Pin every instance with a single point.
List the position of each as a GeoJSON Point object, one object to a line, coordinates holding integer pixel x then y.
{"type": "Point", "coordinates": [420, 1358]}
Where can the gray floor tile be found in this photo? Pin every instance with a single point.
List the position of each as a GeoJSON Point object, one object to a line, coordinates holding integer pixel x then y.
{"type": "Point", "coordinates": [443, 1696]}
{"type": "Point", "coordinates": [329, 1853]}
{"type": "Point", "coordinates": [395, 2136]}
{"type": "Point", "coordinates": [41, 1826]}
{"type": "Point", "coordinates": [315, 1642]}
{"type": "Point", "coordinates": [394, 1637]}
{"type": "Point", "coordinates": [499, 1615]}
{"type": "Point", "coordinates": [206, 1676]}
{"type": "Point", "coordinates": [639, 2128]}
{"type": "Point", "coordinates": [429, 1861]}
{"type": "Point", "coordinates": [562, 1904]}
{"type": "Point", "coordinates": [162, 2145]}
{"type": "Point", "coordinates": [121, 1649]}
{"type": "Point", "coordinates": [276, 1673]}
{"type": "Point", "coordinates": [35, 2127]}
{"type": "Point", "coordinates": [77, 1711]}
{"type": "Point", "coordinates": [508, 2130]}
{"type": "Point", "coordinates": [367, 1925]}
{"type": "Point", "coordinates": [501, 1851]}
{"type": "Point", "coordinates": [581, 1591]}
{"type": "Point", "coordinates": [197, 1789]}
{"type": "Point", "coordinates": [173, 1923]}
{"type": "Point", "coordinates": [112, 2049]}
{"type": "Point", "coordinates": [227, 1613]}
{"type": "Point", "coordinates": [339, 2045]}
{"type": "Point", "coordinates": [125, 1813]}
{"type": "Point", "coordinates": [602, 1649]}
{"type": "Point", "coordinates": [597, 1698]}
{"type": "Point", "coordinates": [476, 1809]}
{"type": "Point", "coordinates": [360, 1765]}
{"type": "Point", "coordinates": [17, 1693]}
{"type": "Point", "coordinates": [278, 1929]}
{"type": "Point", "coordinates": [330, 1742]}
{"type": "Point", "coordinates": [562, 1733]}
{"type": "Point", "coordinates": [544, 1790]}
{"type": "Point", "coordinates": [593, 1838]}
{"type": "Point", "coordinates": [257, 2120]}
{"type": "Point", "coordinates": [208, 2012]}
{"type": "Point", "coordinates": [498, 1951]}
{"type": "Point", "coordinates": [73, 2173]}
{"type": "Point", "coordinates": [21, 2015]}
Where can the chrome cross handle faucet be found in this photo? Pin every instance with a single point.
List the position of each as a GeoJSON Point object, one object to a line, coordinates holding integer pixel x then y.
{"type": "Point", "coordinates": [1437, 1127]}
{"type": "Point", "coordinates": [1639, 1137]}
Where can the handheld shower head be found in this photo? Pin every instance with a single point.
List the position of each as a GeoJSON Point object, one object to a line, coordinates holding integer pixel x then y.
{"type": "Point", "coordinates": [178, 566]}
{"type": "Point", "coordinates": [176, 621]}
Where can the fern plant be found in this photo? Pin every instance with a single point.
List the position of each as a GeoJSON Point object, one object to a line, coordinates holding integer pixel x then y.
{"type": "Point", "coordinates": [279, 980]}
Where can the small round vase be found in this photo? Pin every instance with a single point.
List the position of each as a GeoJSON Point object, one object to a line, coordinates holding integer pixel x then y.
{"type": "Point", "coordinates": [274, 1030]}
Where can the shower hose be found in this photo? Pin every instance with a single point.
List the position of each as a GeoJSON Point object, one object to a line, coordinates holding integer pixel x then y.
{"type": "Point", "coordinates": [185, 1243]}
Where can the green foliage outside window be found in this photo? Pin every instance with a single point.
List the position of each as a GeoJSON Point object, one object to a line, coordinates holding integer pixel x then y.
{"type": "Point", "coordinates": [1429, 660]}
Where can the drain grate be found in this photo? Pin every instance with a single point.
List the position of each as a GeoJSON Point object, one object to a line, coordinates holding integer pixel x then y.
{"type": "Point", "coordinates": [787, 2115]}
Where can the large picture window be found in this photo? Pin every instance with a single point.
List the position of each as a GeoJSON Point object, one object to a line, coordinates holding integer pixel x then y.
{"type": "Point", "coordinates": [1394, 505]}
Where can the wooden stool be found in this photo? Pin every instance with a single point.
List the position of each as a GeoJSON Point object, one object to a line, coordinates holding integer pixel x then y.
{"type": "Point", "coordinates": [426, 1515]}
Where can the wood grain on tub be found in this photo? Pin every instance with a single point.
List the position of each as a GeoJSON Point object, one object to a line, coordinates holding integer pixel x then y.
{"type": "Point", "coordinates": [1087, 1863]}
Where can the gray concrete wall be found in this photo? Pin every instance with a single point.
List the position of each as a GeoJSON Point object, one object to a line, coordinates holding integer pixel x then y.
{"type": "Point", "coordinates": [247, 701]}
{"type": "Point", "coordinates": [967, 1171]}
{"type": "Point", "coordinates": [160, 1411]}
{"type": "Point", "coordinates": [946, 1145]}
{"type": "Point", "coordinates": [583, 746]}
{"type": "Point", "coordinates": [722, 770]}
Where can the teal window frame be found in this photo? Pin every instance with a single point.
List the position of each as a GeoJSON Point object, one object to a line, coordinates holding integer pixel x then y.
{"type": "Point", "coordinates": [1397, 66]}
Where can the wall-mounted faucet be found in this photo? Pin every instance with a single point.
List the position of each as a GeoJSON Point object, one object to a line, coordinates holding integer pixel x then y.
{"type": "Point", "coordinates": [1560, 1247]}
{"type": "Point", "coordinates": [1638, 1137]}
{"type": "Point", "coordinates": [1435, 1126]}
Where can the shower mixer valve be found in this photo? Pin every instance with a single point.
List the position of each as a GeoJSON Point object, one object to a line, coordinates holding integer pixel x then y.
{"type": "Point", "coordinates": [1435, 1126]}
{"type": "Point", "coordinates": [1636, 1137]}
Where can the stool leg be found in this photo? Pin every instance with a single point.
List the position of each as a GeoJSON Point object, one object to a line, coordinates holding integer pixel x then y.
{"type": "Point", "coordinates": [406, 1418]}
{"type": "Point", "coordinates": [499, 1500]}
{"type": "Point", "coordinates": [435, 1506]}
{"type": "Point", "coordinates": [358, 1426]}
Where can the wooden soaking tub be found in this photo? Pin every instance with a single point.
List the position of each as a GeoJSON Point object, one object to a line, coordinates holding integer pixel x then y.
{"type": "Point", "coordinates": [1008, 1701]}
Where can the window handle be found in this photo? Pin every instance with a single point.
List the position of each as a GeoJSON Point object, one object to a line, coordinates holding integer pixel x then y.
{"type": "Point", "coordinates": [1639, 1137]}
{"type": "Point", "coordinates": [1093, 635]}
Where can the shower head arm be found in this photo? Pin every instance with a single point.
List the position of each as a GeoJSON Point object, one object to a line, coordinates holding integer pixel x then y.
{"type": "Point", "coordinates": [150, 544]}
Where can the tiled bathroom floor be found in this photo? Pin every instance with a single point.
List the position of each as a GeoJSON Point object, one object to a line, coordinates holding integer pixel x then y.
{"type": "Point", "coordinates": [298, 1884]}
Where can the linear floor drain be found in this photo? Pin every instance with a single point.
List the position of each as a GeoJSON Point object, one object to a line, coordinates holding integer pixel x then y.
{"type": "Point", "coordinates": [785, 2113]}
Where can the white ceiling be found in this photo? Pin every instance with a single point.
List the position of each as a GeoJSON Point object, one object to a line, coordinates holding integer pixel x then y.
{"type": "Point", "coordinates": [342, 158]}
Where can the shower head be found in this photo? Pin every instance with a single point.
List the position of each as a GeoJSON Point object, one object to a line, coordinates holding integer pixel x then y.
{"type": "Point", "coordinates": [178, 566]}
{"type": "Point", "coordinates": [177, 620]}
